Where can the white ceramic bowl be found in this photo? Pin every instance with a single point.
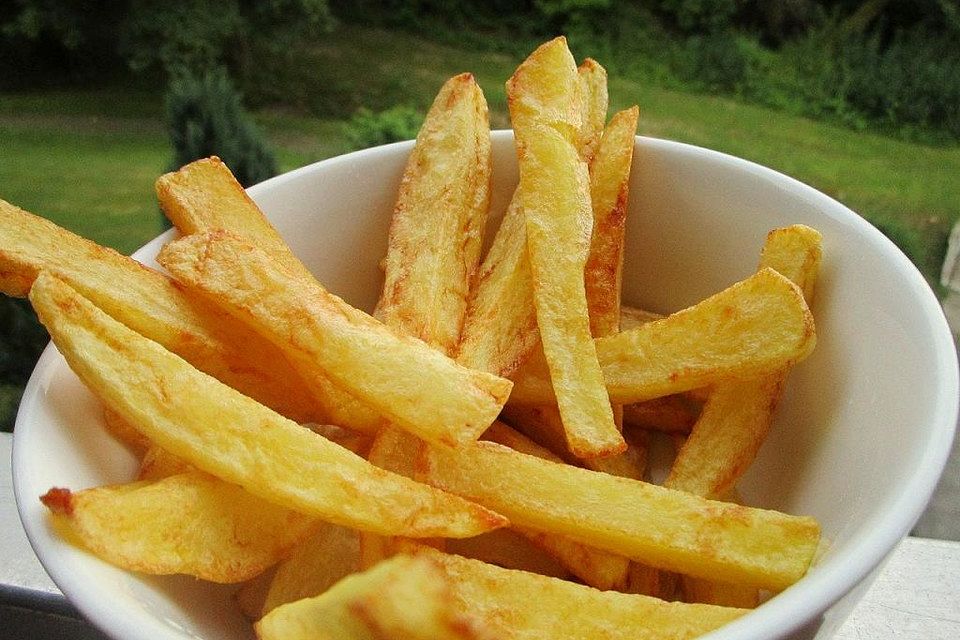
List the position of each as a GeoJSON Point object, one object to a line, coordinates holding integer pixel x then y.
{"type": "Point", "coordinates": [859, 441]}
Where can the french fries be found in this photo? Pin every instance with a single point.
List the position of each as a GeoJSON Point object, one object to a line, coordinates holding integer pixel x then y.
{"type": "Point", "coordinates": [737, 415]}
{"type": "Point", "coordinates": [524, 606]}
{"type": "Point", "coordinates": [362, 508]}
{"type": "Point", "coordinates": [442, 402]}
{"type": "Point", "coordinates": [756, 326]}
{"type": "Point", "coordinates": [664, 528]}
{"type": "Point", "coordinates": [438, 222]}
{"type": "Point", "coordinates": [406, 598]}
{"type": "Point", "coordinates": [233, 437]}
{"type": "Point", "coordinates": [205, 196]}
{"type": "Point", "coordinates": [150, 304]}
{"type": "Point", "coordinates": [230, 535]}
{"type": "Point", "coordinates": [555, 196]}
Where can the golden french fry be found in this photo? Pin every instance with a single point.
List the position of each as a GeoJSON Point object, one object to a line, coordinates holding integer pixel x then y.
{"type": "Point", "coordinates": [399, 452]}
{"type": "Point", "coordinates": [675, 413]}
{"type": "Point", "coordinates": [595, 567]}
{"type": "Point", "coordinates": [414, 385]}
{"type": "Point", "coordinates": [508, 549]}
{"type": "Point", "coordinates": [737, 415]}
{"type": "Point", "coordinates": [404, 598]}
{"type": "Point", "coordinates": [150, 304]}
{"type": "Point", "coordinates": [555, 197]}
{"type": "Point", "coordinates": [756, 326]}
{"type": "Point", "coordinates": [592, 78]}
{"type": "Point", "coordinates": [500, 327]}
{"type": "Point", "coordinates": [632, 317]}
{"type": "Point", "coordinates": [437, 226]}
{"type": "Point", "coordinates": [322, 559]}
{"type": "Point", "coordinates": [526, 606]}
{"type": "Point", "coordinates": [230, 535]}
{"type": "Point", "coordinates": [229, 435]}
{"type": "Point", "coordinates": [663, 528]}
{"type": "Point", "coordinates": [609, 190]}
{"type": "Point", "coordinates": [204, 195]}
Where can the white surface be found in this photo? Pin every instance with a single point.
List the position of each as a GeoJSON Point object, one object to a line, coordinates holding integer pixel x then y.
{"type": "Point", "coordinates": [859, 441]}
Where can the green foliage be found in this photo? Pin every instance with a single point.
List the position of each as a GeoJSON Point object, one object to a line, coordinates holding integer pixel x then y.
{"type": "Point", "coordinates": [914, 82]}
{"type": "Point", "coordinates": [175, 37]}
{"type": "Point", "coordinates": [369, 129]}
{"type": "Point", "coordinates": [22, 338]}
{"type": "Point", "coordinates": [700, 16]}
{"type": "Point", "coordinates": [205, 117]}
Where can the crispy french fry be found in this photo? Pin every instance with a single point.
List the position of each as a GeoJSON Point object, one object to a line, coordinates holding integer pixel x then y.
{"type": "Point", "coordinates": [609, 190]}
{"type": "Point", "coordinates": [149, 303]}
{"type": "Point", "coordinates": [676, 413]}
{"type": "Point", "coordinates": [437, 226]}
{"type": "Point", "coordinates": [508, 549]}
{"type": "Point", "coordinates": [737, 415]}
{"type": "Point", "coordinates": [417, 387]}
{"type": "Point", "coordinates": [667, 529]}
{"type": "Point", "coordinates": [500, 328]}
{"type": "Point", "coordinates": [555, 196]}
{"type": "Point", "coordinates": [227, 434]}
{"type": "Point", "coordinates": [526, 606]}
{"type": "Point", "coordinates": [230, 535]}
{"type": "Point", "coordinates": [756, 326]}
{"type": "Point", "coordinates": [325, 557]}
{"type": "Point", "coordinates": [396, 451]}
{"type": "Point", "coordinates": [595, 567]}
{"type": "Point", "coordinates": [204, 195]}
{"type": "Point", "coordinates": [404, 598]}
{"type": "Point", "coordinates": [592, 78]}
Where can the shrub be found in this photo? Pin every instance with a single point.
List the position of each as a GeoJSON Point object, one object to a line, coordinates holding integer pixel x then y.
{"type": "Point", "coordinates": [205, 117]}
{"type": "Point", "coordinates": [368, 129]}
{"type": "Point", "coordinates": [22, 338]}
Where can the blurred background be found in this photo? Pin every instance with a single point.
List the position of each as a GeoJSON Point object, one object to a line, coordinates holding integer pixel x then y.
{"type": "Point", "coordinates": [859, 98]}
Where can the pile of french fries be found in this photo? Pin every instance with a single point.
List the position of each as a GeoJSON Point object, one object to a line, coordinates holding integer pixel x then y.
{"type": "Point", "coordinates": [468, 461]}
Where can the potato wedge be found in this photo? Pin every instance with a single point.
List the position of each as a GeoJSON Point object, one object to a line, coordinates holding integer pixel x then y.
{"type": "Point", "coordinates": [756, 326]}
{"type": "Point", "coordinates": [318, 562]}
{"type": "Point", "coordinates": [229, 535]}
{"type": "Point", "coordinates": [597, 568]}
{"type": "Point", "coordinates": [555, 196]}
{"type": "Point", "coordinates": [231, 436]}
{"type": "Point", "coordinates": [203, 196]}
{"type": "Point", "coordinates": [737, 416]}
{"type": "Point", "coordinates": [149, 303]}
{"type": "Point", "coordinates": [666, 529]}
{"type": "Point", "coordinates": [404, 598]}
{"type": "Point", "coordinates": [526, 606]}
{"type": "Point", "coordinates": [417, 387]}
{"type": "Point", "coordinates": [438, 222]}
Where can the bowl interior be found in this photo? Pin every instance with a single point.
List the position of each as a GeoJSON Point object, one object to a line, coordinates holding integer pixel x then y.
{"type": "Point", "coordinates": [859, 440]}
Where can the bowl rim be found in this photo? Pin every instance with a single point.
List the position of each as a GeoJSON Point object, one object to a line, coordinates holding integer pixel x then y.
{"type": "Point", "coordinates": [789, 611]}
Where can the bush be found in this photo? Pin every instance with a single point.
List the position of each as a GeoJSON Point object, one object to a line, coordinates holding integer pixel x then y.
{"type": "Point", "coordinates": [913, 82]}
{"type": "Point", "coordinates": [205, 118]}
{"type": "Point", "coordinates": [369, 129]}
{"type": "Point", "coordinates": [22, 338]}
